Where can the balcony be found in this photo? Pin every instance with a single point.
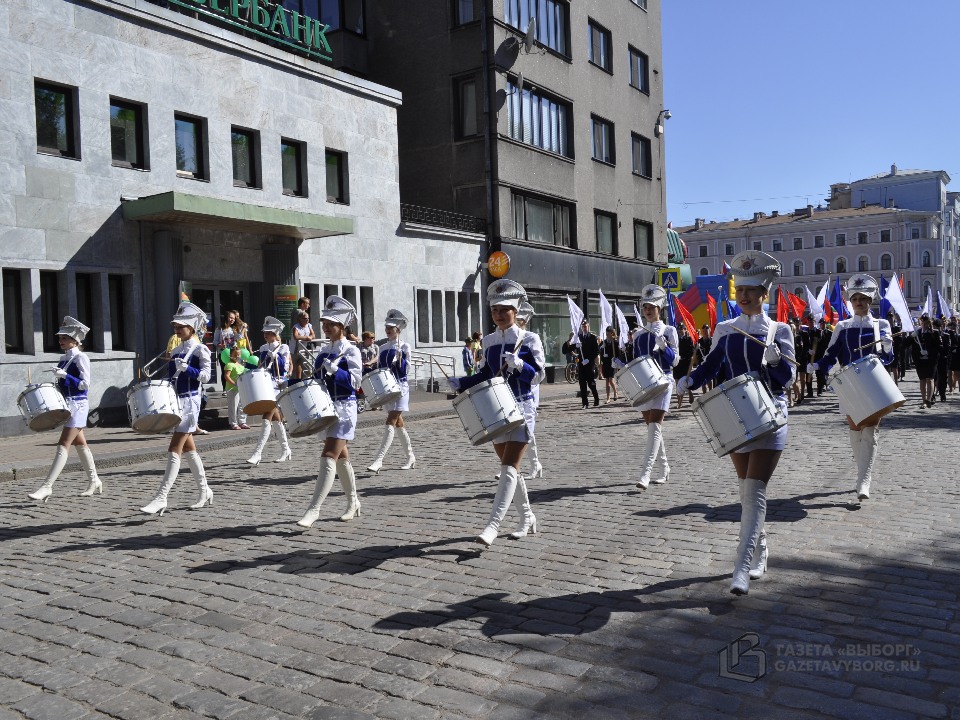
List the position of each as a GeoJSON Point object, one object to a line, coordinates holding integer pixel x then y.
{"type": "Point", "coordinates": [433, 217]}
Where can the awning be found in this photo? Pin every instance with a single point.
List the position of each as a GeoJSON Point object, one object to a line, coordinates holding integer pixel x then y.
{"type": "Point", "coordinates": [175, 207]}
{"type": "Point", "coordinates": [675, 252]}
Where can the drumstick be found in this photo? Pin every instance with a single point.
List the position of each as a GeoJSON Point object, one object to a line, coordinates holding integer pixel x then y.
{"type": "Point", "coordinates": [761, 343]}
{"type": "Point", "coordinates": [28, 375]}
{"type": "Point", "coordinates": [446, 377]}
{"type": "Point", "coordinates": [876, 341]}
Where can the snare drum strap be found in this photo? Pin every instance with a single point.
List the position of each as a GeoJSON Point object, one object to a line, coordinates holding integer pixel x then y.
{"type": "Point", "coordinates": [876, 334]}
{"type": "Point", "coordinates": [765, 378]}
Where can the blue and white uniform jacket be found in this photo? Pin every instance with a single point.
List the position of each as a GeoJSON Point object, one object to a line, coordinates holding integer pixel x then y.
{"type": "Point", "coordinates": [493, 348]}
{"type": "Point", "coordinates": [198, 367]}
{"type": "Point", "coordinates": [396, 362]}
{"type": "Point", "coordinates": [282, 371]}
{"type": "Point", "coordinates": [848, 337]}
{"type": "Point", "coordinates": [732, 354]}
{"type": "Point", "coordinates": [77, 365]}
{"type": "Point", "coordinates": [343, 384]}
{"type": "Point", "coordinates": [645, 343]}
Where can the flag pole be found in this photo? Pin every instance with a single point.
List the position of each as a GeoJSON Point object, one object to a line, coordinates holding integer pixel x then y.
{"type": "Point", "coordinates": [764, 345]}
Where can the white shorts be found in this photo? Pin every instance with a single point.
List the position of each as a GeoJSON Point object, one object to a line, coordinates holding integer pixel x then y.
{"type": "Point", "coordinates": [774, 441]}
{"type": "Point", "coordinates": [661, 401]}
{"type": "Point", "coordinates": [190, 409]}
{"type": "Point", "coordinates": [402, 403]}
{"type": "Point", "coordinates": [522, 433]}
{"type": "Point", "coordinates": [346, 427]}
{"type": "Point", "coordinates": [79, 408]}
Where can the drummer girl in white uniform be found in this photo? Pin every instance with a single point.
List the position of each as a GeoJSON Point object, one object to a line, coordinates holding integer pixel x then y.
{"type": "Point", "coordinates": [274, 357]}
{"type": "Point", "coordinates": [339, 366]}
{"type": "Point", "coordinates": [524, 314]}
{"type": "Point", "coordinates": [770, 356]}
{"type": "Point", "coordinates": [852, 339]}
{"type": "Point", "coordinates": [658, 340]}
{"type": "Point", "coordinates": [72, 375]}
{"type": "Point", "coordinates": [518, 355]}
{"type": "Point", "coordinates": [188, 369]}
{"type": "Point", "coordinates": [395, 357]}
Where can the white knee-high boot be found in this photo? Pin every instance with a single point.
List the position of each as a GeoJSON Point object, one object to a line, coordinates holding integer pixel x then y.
{"type": "Point", "coordinates": [664, 473]}
{"type": "Point", "coordinates": [196, 467]}
{"type": "Point", "coordinates": [328, 471]}
{"type": "Point", "coordinates": [528, 521]}
{"type": "Point", "coordinates": [388, 431]}
{"type": "Point", "coordinates": [45, 490]}
{"type": "Point", "coordinates": [159, 503]}
{"type": "Point", "coordinates": [536, 469]}
{"type": "Point", "coordinates": [501, 503]}
{"type": "Point", "coordinates": [654, 437]}
{"type": "Point", "coordinates": [407, 449]}
{"type": "Point", "coordinates": [855, 438]}
{"type": "Point", "coordinates": [349, 481]}
{"type": "Point", "coordinates": [261, 443]}
{"type": "Point", "coordinates": [285, 453]}
{"type": "Point", "coordinates": [752, 515]}
{"type": "Point", "coordinates": [90, 469]}
{"type": "Point", "coordinates": [869, 444]}
{"type": "Point", "coordinates": [758, 564]}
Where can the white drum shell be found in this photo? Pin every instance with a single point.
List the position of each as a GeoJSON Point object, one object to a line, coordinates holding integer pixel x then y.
{"type": "Point", "coordinates": [154, 407]}
{"type": "Point", "coordinates": [258, 395]}
{"type": "Point", "coordinates": [865, 390]}
{"type": "Point", "coordinates": [488, 410]}
{"type": "Point", "coordinates": [43, 407]}
{"type": "Point", "coordinates": [380, 387]}
{"type": "Point", "coordinates": [737, 412]}
{"type": "Point", "coordinates": [641, 379]}
{"type": "Point", "coordinates": [307, 408]}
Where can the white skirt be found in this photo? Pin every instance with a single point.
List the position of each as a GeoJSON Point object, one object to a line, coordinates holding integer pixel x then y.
{"type": "Point", "coordinates": [774, 441]}
{"type": "Point", "coordinates": [190, 407]}
{"type": "Point", "coordinates": [661, 401]}
{"type": "Point", "coordinates": [402, 403]}
{"type": "Point", "coordinates": [347, 425]}
{"type": "Point", "coordinates": [79, 409]}
{"type": "Point", "coordinates": [522, 433]}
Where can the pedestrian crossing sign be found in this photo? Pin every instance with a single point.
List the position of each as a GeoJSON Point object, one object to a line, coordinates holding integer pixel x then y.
{"type": "Point", "coordinates": [669, 279]}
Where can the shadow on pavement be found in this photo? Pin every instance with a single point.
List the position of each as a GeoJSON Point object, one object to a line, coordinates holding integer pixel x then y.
{"type": "Point", "coordinates": [171, 540]}
{"type": "Point", "coordinates": [778, 509]}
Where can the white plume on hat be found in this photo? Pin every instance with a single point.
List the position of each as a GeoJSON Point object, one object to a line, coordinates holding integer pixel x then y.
{"type": "Point", "coordinates": [73, 328]}
{"type": "Point", "coordinates": [190, 315]}
{"type": "Point", "coordinates": [755, 268]}
{"type": "Point", "coordinates": [396, 318]}
{"type": "Point", "coordinates": [338, 310]}
{"type": "Point", "coordinates": [525, 311]}
{"type": "Point", "coordinates": [861, 284]}
{"type": "Point", "coordinates": [272, 324]}
{"type": "Point", "coordinates": [506, 292]}
{"type": "Point", "coordinates": [653, 295]}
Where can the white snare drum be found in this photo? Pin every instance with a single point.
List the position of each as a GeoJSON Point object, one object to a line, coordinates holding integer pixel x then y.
{"type": "Point", "coordinates": [154, 407]}
{"type": "Point", "coordinates": [307, 408]}
{"type": "Point", "coordinates": [737, 412]}
{"type": "Point", "coordinates": [257, 392]}
{"type": "Point", "coordinates": [866, 391]}
{"type": "Point", "coordinates": [488, 410]}
{"type": "Point", "coordinates": [43, 407]}
{"type": "Point", "coordinates": [641, 380]}
{"type": "Point", "coordinates": [380, 387]}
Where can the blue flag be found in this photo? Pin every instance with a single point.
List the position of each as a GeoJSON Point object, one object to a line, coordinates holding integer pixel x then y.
{"type": "Point", "coordinates": [836, 301]}
{"type": "Point", "coordinates": [885, 306]}
{"type": "Point", "coordinates": [671, 311]}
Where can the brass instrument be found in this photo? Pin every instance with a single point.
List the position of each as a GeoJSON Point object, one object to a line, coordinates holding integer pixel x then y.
{"type": "Point", "coordinates": [161, 357]}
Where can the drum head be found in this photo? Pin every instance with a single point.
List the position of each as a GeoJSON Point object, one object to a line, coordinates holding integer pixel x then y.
{"type": "Point", "coordinates": [259, 407]}
{"type": "Point", "coordinates": [49, 420]}
{"type": "Point", "coordinates": [156, 424]}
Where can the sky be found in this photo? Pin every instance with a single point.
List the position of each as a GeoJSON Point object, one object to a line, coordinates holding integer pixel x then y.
{"type": "Point", "coordinates": [772, 101]}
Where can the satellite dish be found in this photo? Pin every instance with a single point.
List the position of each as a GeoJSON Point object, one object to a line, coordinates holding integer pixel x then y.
{"type": "Point", "coordinates": [530, 36]}
{"type": "Point", "coordinates": [519, 82]}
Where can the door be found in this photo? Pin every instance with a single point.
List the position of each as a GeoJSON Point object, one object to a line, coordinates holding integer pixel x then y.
{"type": "Point", "coordinates": [216, 302]}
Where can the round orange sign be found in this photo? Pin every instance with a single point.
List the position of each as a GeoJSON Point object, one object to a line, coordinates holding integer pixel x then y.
{"type": "Point", "coordinates": [498, 264]}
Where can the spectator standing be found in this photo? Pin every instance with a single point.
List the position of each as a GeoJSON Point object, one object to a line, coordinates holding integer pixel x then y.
{"type": "Point", "coordinates": [301, 332]}
{"type": "Point", "coordinates": [469, 360]}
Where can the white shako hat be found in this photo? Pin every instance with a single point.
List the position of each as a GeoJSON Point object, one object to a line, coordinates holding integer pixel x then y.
{"type": "Point", "coordinates": [190, 315]}
{"type": "Point", "coordinates": [752, 267]}
{"type": "Point", "coordinates": [861, 284]}
{"type": "Point", "coordinates": [396, 318]}
{"type": "Point", "coordinates": [525, 311]}
{"type": "Point", "coordinates": [338, 310]}
{"type": "Point", "coordinates": [653, 295]}
{"type": "Point", "coordinates": [271, 324]}
{"type": "Point", "coordinates": [506, 292]}
{"type": "Point", "coordinates": [73, 328]}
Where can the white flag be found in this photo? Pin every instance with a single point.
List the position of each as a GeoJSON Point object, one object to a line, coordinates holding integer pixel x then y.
{"type": "Point", "coordinates": [928, 306]}
{"type": "Point", "coordinates": [576, 317]}
{"type": "Point", "coordinates": [813, 305]}
{"type": "Point", "coordinates": [895, 297]}
{"type": "Point", "coordinates": [944, 308]}
{"type": "Point", "coordinates": [624, 328]}
{"type": "Point", "coordinates": [606, 316]}
{"type": "Point", "coordinates": [638, 316]}
{"type": "Point", "coordinates": [822, 295]}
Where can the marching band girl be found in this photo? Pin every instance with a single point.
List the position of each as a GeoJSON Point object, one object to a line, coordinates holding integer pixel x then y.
{"type": "Point", "coordinates": [395, 356]}
{"type": "Point", "coordinates": [339, 366]}
{"type": "Point", "coordinates": [72, 375]}
{"type": "Point", "coordinates": [274, 357]}
{"type": "Point", "coordinates": [518, 355]}
{"type": "Point", "coordinates": [524, 314]}
{"type": "Point", "coordinates": [188, 369]}
{"type": "Point", "coordinates": [770, 355]}
{"type": "Point", "coordinates": [854, 338]}
{"type": "Point", "coordinates": [660, 342]}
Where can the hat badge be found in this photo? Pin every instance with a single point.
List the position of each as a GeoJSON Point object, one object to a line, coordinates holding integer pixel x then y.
{"type": "Point", "coordinates": [859, 281]}
{"type": "Point", "coordinates": [746, 265]}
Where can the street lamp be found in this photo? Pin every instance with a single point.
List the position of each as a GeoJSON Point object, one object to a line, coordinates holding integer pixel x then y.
{"type": "Point", "coordinates": [661, 116]}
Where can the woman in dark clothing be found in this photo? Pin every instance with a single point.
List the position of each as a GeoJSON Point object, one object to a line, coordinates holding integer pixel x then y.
{"type": "Point", "coordinates": [926, 352]}
{"type": "Point", "coordinates": [686, 348]}
{"type": "Point", "coordinates": [608, 353]}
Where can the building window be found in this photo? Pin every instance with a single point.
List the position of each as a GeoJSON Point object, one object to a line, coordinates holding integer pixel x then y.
{"type": "Point", "coordinates": [602, 137]}
{"type": "Point", "coordinates": [535, 119]}
{"type": "Point", "coordinates": [606, 228]}
{"type": "Point", "coordinates": [914, 233]}
{"type": "Point", "coordinates": [798, 267]}
{"type": "Point", "coordinates": [641, 155]}
{"type": "Point", "coordinates": [600, 50]}
{"type": "Point", "coordinates": [12, 312]}
{"type": "Point", "coordinates": [703, 251]}
{"type": "Point", "coordinates": [543, 221]}
{"type": "Point", "coordinates": [85, 284]}
{"type": "Point", "coordinates": [926, 258]}
{"type": "Point", "coordinates": [777, 245]}
{"type": "Point", "coordinates": [862, 238]}
{"type": "Point", "coordinates": [863, 264]}
{"type": "Point", "coordinates": [639, 70]}
{"type": "Point", "coordinates": [552, 19]}
{"type": "Point", "coordinates": [293, 167]}
{"type": "Point", "coordinates": [728, 250]}
{"type": "Point", "coordinates": [840, 239]}
{"type": "Point", "coordinates": [443, 316]}
{"type": "Point", "coordinates": [704, 271]}
{"type": "Point", "coordinates": [757, 245]}
{"type": "Point", "coordinates": [465, 11]}
{"type": "Point", "coordinates": [58, 122]}
{"type": "Point", "coordinates": [818, 241]}
{"type": "Point", "coordinates": [245, 148]}
{"type": "Point", "coordinates": [118, 328]}
{"type": "Point", "coordinates": [886, 262]}
{"type": "Point", "coordinates": [49, 310]}
{"type": "Point", "coordinates": [798, 243]}
{"type": "Point", "coordinates": [338, 14]}
{"type": "Point", "coordinates": [841, 265]}
{"type": "Point", "coordinates": [128, 134]}
{"type": "Point", "coordinates": [466, 94]}
{"type": "Point", "coordinates": [190, 134]}
{"type": "Point", "coordinates": [884, 236]}
{"type": "Point", "coordinates": [640, 3]}
{"type": "Point", "coordinates": [338, 177]}
{"type": "Point", "coordinates": [642, 240]}
{"type": "Point", "coordinates": [908, 258]}
{"type": "Point", "coordinates": [819, 267]}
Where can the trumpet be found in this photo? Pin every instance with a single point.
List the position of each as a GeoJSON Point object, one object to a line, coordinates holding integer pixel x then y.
{"type": "Point", "coordinates": [161, 357]}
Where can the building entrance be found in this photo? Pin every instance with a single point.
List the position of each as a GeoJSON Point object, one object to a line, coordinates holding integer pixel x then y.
{"type": "Point", "coordinates": [216, 301]}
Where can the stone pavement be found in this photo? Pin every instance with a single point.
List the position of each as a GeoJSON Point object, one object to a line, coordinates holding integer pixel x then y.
{"type": "Point", "coordinates": [617, 609]}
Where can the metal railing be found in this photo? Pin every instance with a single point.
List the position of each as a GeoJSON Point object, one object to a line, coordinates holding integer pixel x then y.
{"type": "Point", "coordinates": [426, 372]}
{"type": "Point", "coordinates": [442, 218]}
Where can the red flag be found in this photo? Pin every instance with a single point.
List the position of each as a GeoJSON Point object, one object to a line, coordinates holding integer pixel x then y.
{"type": "Point", "coordinates": [783, 306]}
{"type": "Point", "coordinates": [797, 305]}
{"type": "Point", "coordinates": [712, 312]}
{"type": "Point", "coordinates": [900, 280]}
{"type": "Point", "coordinates": [688, 321]}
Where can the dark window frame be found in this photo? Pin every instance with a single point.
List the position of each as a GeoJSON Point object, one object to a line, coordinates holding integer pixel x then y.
{"type": "Point", "coordinates": [14, 340]}
{"type": "Point", "coordinates": [606, 49]}
{"type": "Point", "coordinates": [543, 29]}
{"type": "Point", "coordinates": [141, 132]}
{"type": "Point", "coordinates": [596, 120]}
{"type": "Point", "coordinates": [651, 251]}
{"type": "Point", "coordinates": [460, 124]}
{"type": "Point", "coordinates": [49, 309]}
{"type": "Point", "coordinates": [71, 114]}
{"type": "Point", "coordinates": [636, 139]}
{"type": "Point", "coordinates": [303, 189]}
{"type": "Point", "coordinates": [515, 122]}
{"type": "Point", "coordinates": [615, 235]}
{"type": "Point", "coordinates": [253, 150]}
{"type": "Point", "coordinates": [566, 211]}
{"type": "Point", "coordinates": [201, 140]}
{"type": "Point", "coordinates": [455, 13]}
{"type": "Point", "coordinates": [644, 86]}
{"type": "Point", "coordinates": [343, 175]}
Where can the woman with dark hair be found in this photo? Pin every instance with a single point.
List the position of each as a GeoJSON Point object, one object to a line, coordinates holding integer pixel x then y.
{"type": "Point", "coordinates": [609, 354]}
{"type": "Point", "coordinates": [926, 353]}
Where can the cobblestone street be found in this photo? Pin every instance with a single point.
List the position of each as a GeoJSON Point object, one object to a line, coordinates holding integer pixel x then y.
{"type": "Point", "coordinates": [618, 608]}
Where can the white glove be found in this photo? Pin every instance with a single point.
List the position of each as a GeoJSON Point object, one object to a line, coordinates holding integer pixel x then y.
{"type": "Point", "coordinates": [683, 385]}
{"type": "Point", "coordinates": [887, 344]}
{"type": "Point", "coordinates": [924, 353]}
{"type": "Point", "coordinates": [454, 384]}
{"type": "Point", "coordinates": [772, 355]}
{"type": "Point", "coordinates": [181, 364]}
{"type": "Point", "coordinates": [331, 366]}
{"type": "Point", "coordinates": [811, 368]}
{"type": "Point", "coordinates": [58, 373]}
{"type": "Point", "coordinates": [661, 342]}
{"type": "Point", "coordinates": [584, 362]}
{"type": "Point", "coordinates": [513, 361]}
{"type": "Point", "coordinates": [618, 363]}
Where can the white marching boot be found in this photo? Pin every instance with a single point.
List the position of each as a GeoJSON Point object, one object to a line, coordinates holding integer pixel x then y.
{"type": "Point", "coordinates": [328, 471]}
{"type": "Point", "coordinates": [349, 481]}
{"type": "Point", "coordinates": [855, 438]}
{"type": "Point", "coordinates": [501, 503]}
{"type": "Point", "coordinates": [528, 523]}
{"type": "Point", "coordinates": [407, 449]}
{"type": "Point", "coordinates": [159, 503]}
{"type": "Point", "coordinates": [261, 443]}
{"type": "Point", "coordinates": [196, 467]}
{"type": "Point", "coordinates": [654, 438]}
{"type": "Point", "coordinates": [46, 490]}
{"type": "Point", "coordinates": [90, 469]}
{"type": "Point", "coordinates": [388, 432]}
{"type": "Point", "coordinates": [286, 453]}
{"type": "Point", "coordinates": [869, 444]}
{"type": "Point", "coordinates": [664, 473]}
{"type": "Point", "coordinates": [536, 469]}
{"type": "Point", "coordinates": [753, 512]}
